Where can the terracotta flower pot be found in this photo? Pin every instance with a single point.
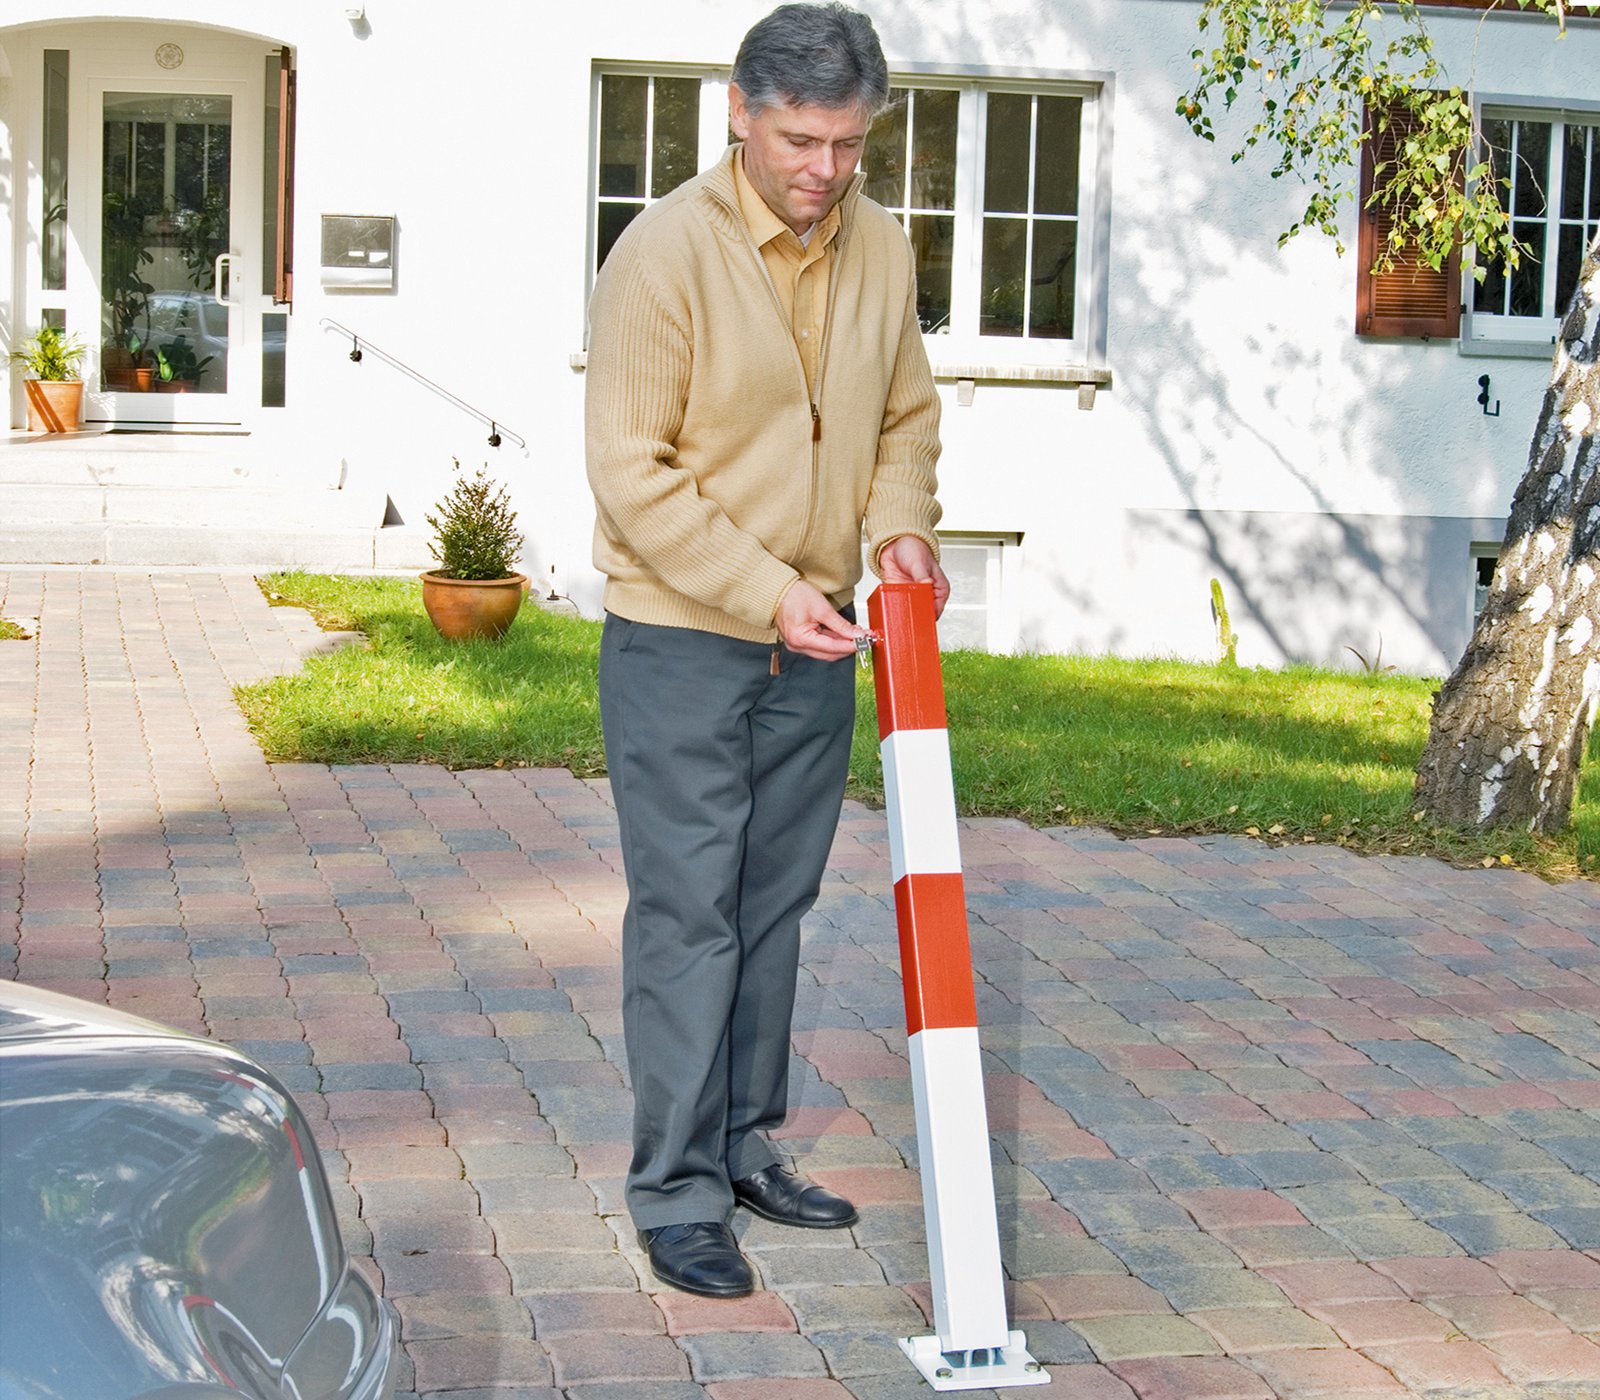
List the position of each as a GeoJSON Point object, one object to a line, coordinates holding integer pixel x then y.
{"type": "Point", "coordinates": [54, 405]}
{"type": "Point", "coordinates": [143, 377]}
{"type": "Point", "coordinates": [461, 608]}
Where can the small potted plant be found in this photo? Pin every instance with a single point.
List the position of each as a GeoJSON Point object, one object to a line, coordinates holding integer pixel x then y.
{"type": "Point", "coordinates": [178, 369]}
{"type": "Point", "coordinates": [474, 592]}
{"type": "Point", "coordinates": [55, 393]}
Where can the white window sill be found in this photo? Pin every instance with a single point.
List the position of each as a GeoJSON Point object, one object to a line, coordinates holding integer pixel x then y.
{"type": "Point", "coordinates": [1507, 349]}
{"type": "Point", "coordinates": [1088, 379]}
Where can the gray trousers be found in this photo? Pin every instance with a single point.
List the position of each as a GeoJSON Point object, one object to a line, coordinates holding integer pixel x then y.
{"type": "Point", "coordinates": [727, 782]}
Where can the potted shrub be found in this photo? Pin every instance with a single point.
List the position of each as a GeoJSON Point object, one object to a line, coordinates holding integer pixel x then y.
{"type": "Point", "coordinates": [474, 592]}
{"type": "Point", "coordinates": [55, 393]}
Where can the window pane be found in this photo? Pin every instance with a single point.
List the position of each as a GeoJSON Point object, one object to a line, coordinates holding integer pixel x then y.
{"type": "Point", "coordinates": [1527, 281]}
{"type": "Point", "coordinates": [622, 124]}
{"type": "Point", "coordinates": [1489, 295]}
{"type": "Point", "coordinates": [965, 621]}
{"type": "Point", "coordinates": [219, 158]}
{"type": "Point", "coordinates": [189, 165]}
{"type": "Point", "coordinates": [1055, 268]}
{"type": "Point", "coordinates": [1497, 145]}
{"type": "Point", "coordinates": [1055, 184]}
{"type": "Point", "coordinates": [1533, 168]}
{"type": "Point", "coordinates": [1569, 260]}
{"type": "Point", "coordinates": [676, 136]}
{"type": "Point", "coordinates": [150, 159]}
{"type": "Point", "coordinates": [613, 219]}
{"type": "Point", "coordinates": [933, 239]}
{"type": "Point", "coordinates": [1574, 170]}
{"type": "Point", "coordinates": [885, 158]}
{"type": "Point", "coordinates": [54, 222]}
{"type": "Point", "coordinates": [269, 178]}
{"type": "Point", "coordinates": [161, 233]}
{"type": "Point", "coordinates": [1005, 182]}
{"type": "Point", "coordinates": [1594, 172]}
{"type": "Point", "coordinates": [274, 344]}
{"type": "Point", "coordinates": [1004, 276]}
{"type": "Point", "coordinates": [933, 149]}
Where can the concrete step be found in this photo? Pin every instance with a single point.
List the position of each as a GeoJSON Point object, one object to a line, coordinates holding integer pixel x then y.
{"type": "Point", "coordinates": [211, 505]}
{"type": "Point", "coordinates": [196, 500]}
{"type": "Point", "coordinates": [327, 549]}
{"type": "Point", "coordinates": [149, 459]}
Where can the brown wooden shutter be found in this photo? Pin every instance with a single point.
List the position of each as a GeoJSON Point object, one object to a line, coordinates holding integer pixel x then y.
{"type": "Point", "coordinates": [1411, 299]}
{"type": "Point", "coordinates": [283, 253]}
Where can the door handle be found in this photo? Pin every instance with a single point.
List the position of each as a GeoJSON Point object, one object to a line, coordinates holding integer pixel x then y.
{"type": "Point", "coordinates": [217, 278]}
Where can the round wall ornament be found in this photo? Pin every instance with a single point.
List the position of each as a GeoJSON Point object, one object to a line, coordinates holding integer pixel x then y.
{"type": "Point", "coordinates": [169, 56]}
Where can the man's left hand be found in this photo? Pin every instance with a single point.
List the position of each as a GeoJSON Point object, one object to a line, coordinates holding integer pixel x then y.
{"type": "Point", "coordinates": [907, 559]}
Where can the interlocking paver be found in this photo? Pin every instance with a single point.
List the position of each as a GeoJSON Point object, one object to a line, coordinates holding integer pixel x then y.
{"type": "Point", "coordinates": [1233, 1090]}
{"type": "Point", "coordinates": [733, 1356]}
{"type": "Point", "coordinates": [1192, 1378]}
{"type": "Point", "coordinates": [595, 1357]}
{"type": "Point", "coordinates": [1145, 1334]}
{"type": "Point", "coordinates": [1323, 1375]}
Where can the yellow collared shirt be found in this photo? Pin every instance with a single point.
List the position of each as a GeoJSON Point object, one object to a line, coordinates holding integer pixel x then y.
{"type": "Point", "coordinates": [799, 271]}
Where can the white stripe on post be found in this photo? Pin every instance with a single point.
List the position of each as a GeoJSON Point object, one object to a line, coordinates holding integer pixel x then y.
{"type": "Point", "coordinates": [921, 798]}
{"type": "Point", "coordinates": [969, 1300]}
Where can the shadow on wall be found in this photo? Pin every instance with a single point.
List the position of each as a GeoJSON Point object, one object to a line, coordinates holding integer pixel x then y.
{"type": "Point", "coordinates": [1319, 588]}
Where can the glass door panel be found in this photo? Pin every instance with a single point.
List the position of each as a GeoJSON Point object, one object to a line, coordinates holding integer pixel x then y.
{"type": "Point", "coordinates": [165, 221]}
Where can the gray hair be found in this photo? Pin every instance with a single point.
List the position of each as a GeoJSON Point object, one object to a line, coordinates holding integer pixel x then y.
{"type": "Point", "coordinates": [812, 56]}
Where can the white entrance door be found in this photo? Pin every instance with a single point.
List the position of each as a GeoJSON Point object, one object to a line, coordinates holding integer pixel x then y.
{"type": "Point", "coordinates": [171, 230]}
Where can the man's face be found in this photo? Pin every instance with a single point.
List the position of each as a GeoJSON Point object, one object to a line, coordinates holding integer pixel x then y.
{"type": "Point", "coordinates": [800, 159]}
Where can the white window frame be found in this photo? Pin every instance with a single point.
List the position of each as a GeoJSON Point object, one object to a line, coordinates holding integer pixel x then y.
{"type": "Point", "coordinates": [961, 352]}
{"type": "Point", "coordinates": [1491, 333]}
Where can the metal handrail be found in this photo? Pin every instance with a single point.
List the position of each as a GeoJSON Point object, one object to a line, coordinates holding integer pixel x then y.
{"type": "Point", "coordinates": [359, 345]}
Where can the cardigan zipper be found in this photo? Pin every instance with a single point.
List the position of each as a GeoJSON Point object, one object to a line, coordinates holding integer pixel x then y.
{"type": "Point", "coordinates": [816, 412]}
{"type": "Point", "coordinates": [808, 519]}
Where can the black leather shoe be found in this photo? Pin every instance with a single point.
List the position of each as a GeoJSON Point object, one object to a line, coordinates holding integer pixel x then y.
{"type": "Point", "coordinates": [778, 1194]}
{"type": "Point", "coordinates": [701, 1257]}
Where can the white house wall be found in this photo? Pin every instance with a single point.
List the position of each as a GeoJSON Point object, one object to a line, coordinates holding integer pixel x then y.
{"type": "Point", "coordinates": [1334, 484]}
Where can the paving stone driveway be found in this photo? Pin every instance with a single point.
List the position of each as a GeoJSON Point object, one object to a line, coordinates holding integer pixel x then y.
{"type": "Point", "coordinates": [1266, 1123]}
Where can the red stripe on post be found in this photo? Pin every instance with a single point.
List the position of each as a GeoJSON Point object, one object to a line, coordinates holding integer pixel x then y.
{"type": "Point", "coordinates": [905, 670]}
{"type": "Point", "coordinates": [935, 956]}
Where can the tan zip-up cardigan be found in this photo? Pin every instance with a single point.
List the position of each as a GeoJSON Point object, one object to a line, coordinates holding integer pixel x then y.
{"type": "Point", "coordinates": [717, 480]}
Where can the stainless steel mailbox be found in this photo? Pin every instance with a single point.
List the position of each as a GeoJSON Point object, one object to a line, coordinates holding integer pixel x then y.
{"type": "Point", "coordinates": [358, 251]}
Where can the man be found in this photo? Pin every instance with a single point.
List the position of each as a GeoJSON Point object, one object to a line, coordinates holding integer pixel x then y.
{"type": "Point", "coordinates": [757, 395]}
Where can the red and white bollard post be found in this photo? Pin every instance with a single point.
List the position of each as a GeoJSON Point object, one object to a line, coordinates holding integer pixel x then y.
{"type": "Point", "coordinates": [974, 1347]}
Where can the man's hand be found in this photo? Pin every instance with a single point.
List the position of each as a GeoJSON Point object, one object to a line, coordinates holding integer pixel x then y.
{"type": "Point", "coordinates": [808, 624]}
{"type": "Point", "coordinates": [907, 559]}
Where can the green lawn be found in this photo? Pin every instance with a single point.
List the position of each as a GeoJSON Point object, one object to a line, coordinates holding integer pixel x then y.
{"type": "Point", "coordinates": [1137, 746]}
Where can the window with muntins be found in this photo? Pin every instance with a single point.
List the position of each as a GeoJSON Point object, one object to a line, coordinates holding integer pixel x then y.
{"type": "Point", "coordinates": [993, 181]}
{"type": "Point", "coordinates": [648, 143]}
{"type": "Point", "coordinates": [1551, 165]}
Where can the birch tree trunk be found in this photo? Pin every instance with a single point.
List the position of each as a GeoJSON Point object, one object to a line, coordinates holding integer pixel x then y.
{"type": "Point", "coordinates": [1509, 726]}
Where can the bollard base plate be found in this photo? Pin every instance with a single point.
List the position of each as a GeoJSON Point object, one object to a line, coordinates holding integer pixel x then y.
{"type": "Point", "coordinates": [981, 1369]}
